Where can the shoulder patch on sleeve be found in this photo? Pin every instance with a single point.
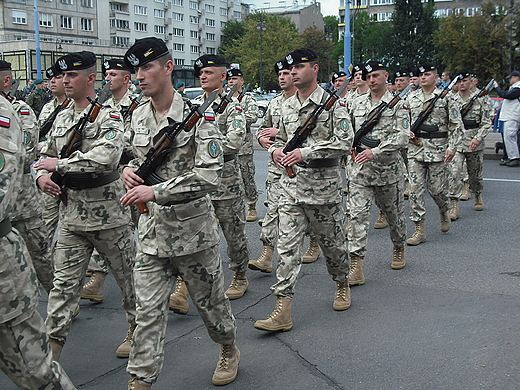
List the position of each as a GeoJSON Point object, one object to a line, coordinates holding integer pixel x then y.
{"type": "Point", "coordinates": [238, 108]}
{"type": "Point", "coordinates": [209, 116]}
{"type": "Point", "coordinates": [2, 162]}
{"type": "Point", "coordinates": [115, 115]}
{"type": "Point", "coordinates": [25, 111]}
{"type": "Point", "coordinates": [111, 134]}
{"type": "Point", "coordinates": [5, 122]}
{"type": "Point", "coordinates": [213, 149]}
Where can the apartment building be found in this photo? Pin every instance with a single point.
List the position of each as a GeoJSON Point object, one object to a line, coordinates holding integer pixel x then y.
{"type": "Point", "coordinates": [301, 13]}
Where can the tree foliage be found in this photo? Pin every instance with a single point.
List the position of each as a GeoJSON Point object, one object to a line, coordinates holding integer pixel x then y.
{"type": "Point", "coordinates": [317, 40]}
{"type": "Point", "coordinates": [369, 38]}
{"type": "Point", "coordinates": [232, 31]}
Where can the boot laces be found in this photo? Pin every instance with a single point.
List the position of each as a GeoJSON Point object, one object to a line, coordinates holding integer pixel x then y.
{"type": "Point", "coordinates": [178, 286]}
{"type": "Point", "coordinates": [313, 246]}
{"type": "Point", "coordinates": [224, 356]}
{"type": "Point", "coordinates": [277, 309]}
{"type": "Point", "coordinates": [398, 254]}
{"type": "Point", "coordinates": [444, 217]}
{"type": "Point", "coordinates": [341, 290]}
{"type": "Point", "coordinates": [129, 334]}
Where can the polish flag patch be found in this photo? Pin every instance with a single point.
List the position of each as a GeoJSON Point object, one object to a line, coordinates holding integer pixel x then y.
{"type": "Point", "coordinates": [209, 116]}
{"type": "Point", "coordinates": [114, 115]}
{"type": "Point", "coordinates": [5, 122]}
{"type": "Point", "coordinates": [239, 108]}
{"type": "Point", "coordinates": [25, 111]}
{"type": "Point", "coordinates": [342, 103]}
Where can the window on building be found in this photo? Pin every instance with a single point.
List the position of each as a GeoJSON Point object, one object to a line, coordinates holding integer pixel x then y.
{"type": "Point", "coordinates": [86, 24]}
{"type": "Point", "coordinates": [159, 29]}
{"type": "Point", "coordinates": [194, 34]}
{"type": "Point", "coordinates": [211, 50]}
{"type": "Point", "coordinates": [140, 10]}
{"type": "Point", "coordinates": [19, 16]}
{"type": "Point", "coordinates": [178, 16]}
{"type": "Point", "coordinates": [209, 8]}
{"type": "Point", "coordinates": [194, 19]}
{"type": "Point", "coordinates": [66, 1]}
{"type": "Point", "coordinates": [178, 47]}
{"type": "Point", "coordinates": [473, 11]}
{"type": "Point", "coordinates": [121, 41]}
{"type": "Point", "coordinates": [119, 7]}
{"type": "Point", "coordinates": [138, 26]}
{"type": "Point", "coordinates": [210, 36]}
{"type": "Point", "coordinates": [120, 24]}
{"type": "Point", "coordinates": [210, 22]}
{"type": "Point", "coordinates": [222, 24]}
{"type": "Point", "coordinates": [179, 61]}
{"type": "Point", "coordinates": [87, 3]}
{"type": "Point", "coordinates": [194, 49]}
{"type": "Point", "coordinates": [237, 15]}
{"type": "Point", "coordinates": [45, 20]}
{"type": "Point", "coordinates": [178, 32]}
{"type": "Point", "coordinates": [177, 2]}
{"type": "Point", "coordinates": [194, 5]}
{"type": "Point", "coordinates": [224, 12]}
{"type": "Point", "coordinates": [66, 22]}
{"type": "Point", "coordinates": [158, 13]}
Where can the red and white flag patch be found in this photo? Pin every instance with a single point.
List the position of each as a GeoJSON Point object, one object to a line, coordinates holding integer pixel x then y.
{"type": "Point", "coordinates": [114, 115]}
{"type": "Point", "coordinates": [239, 108]}
{"type": "Point", "coordinates": [209, 116]}
{"type": "Point", "coordinates": [25, 111]}
{"type": "Point", "coordinates": [5, 122]}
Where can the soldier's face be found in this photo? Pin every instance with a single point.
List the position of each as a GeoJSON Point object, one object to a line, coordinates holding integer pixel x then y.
{"type": "Point", "coordinates": [119, 81]}
{"type": "Point", "coordinates": [377, 80]}
{"type": "Point", "coordinates": [211, 78]}
{"type": "Point", "coordinates": [236, 80]}
{"type": "Point", "coordinates": [75, 83]}
{"type": "Point", "coordinates": [428, 79]}
{"type": "Point", "coordinates": [284, 79]}
{"type": "Point", "coordinates": [57, 87]}
{"type": "Point", "coordinates": [153, 77]}
{"type": "Point", "coordinates": [464, 84]}
{"type": "Point", "coordinates": [304, 74]}
{"type": "Point", "coordinates": [339, 82]}
{"type": "Point", "coordinates": [401, 83]}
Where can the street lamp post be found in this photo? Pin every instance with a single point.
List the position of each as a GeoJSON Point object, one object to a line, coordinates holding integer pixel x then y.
{"type": "Point", "coordinates": [261, 27]}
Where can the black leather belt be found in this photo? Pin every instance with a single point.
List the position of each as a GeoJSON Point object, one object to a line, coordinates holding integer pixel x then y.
{"type": "Point", "coordinates": [322, 163]}
{"type": "Point", "coordinates": [229, 157]}
{"type": "Point", "coordinates": [81, 181]}
{"type": "Point", "coordinates": [470, 124]}
{"type": "Point", "coordinates": [5, 227]}
{"type": "Point", "coordinates": [434, 134]}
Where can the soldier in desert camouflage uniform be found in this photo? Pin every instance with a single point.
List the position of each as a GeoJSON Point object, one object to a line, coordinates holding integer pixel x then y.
{"type": "Point", "coordinates": [25, 356]}
{"type": "Point", "coordinates": [178, 236]}
{"type": "Point", "coordinates": [477, 125]}
{"type": "Point", "coordinates": [313, 196]}
{"type": "Point", "coordinates": [438, 138]}
{"type": "Point", "coordinates": [93, 217]}
{"type": "Point", "coordinates": [377, 172]}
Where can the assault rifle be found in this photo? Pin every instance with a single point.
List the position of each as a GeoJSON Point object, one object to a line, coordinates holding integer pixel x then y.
{"type": "Point", "coordinates": [164, 145]}
{"type": "Point", "coordinates": [76, 138]}
{"type": "Point", "coordinates": [125, 113]}
{"type": "Point", "coordinates": [11, 94]}
{"type": "Point", "coordinates": [424, 114]}
{"type": "Point", "coordinates": [226, 100]}
{"type": "Point", "coordinates": [303, 131]}
{"type": "Point", "coordinates": [242, 93]}
{"type": "Point", "coordinates": [373, 119]}
{"type": "Point", "coordinates": [483, 92]}
{"type": "Point", "coordinates": [47, 126]}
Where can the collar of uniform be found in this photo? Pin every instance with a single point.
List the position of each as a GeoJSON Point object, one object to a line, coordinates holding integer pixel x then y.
{"type": "Point", "coordinates": [315, 97]}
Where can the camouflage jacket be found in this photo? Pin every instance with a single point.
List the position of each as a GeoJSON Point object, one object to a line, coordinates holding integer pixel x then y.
{"type": "Point", "coordinates": [18, 283]}
{"type": "Point", "coordinates": [331, 137]}
{"type": "Point", "coordinates": [272, 118]}
{"type": "Point", "coordinates": [482, 113]}
{"type": "Point", "coordinates": [248, 103]}
{"type": "Point", "coordinates": [392, 131]}
{"type": "Point", "coordinates": [445, 115]}
{"type": "Point", "coordinates": [47, 111]}
{"type": "Point", "coordinates": [181, 220]}
{"type": "Point", "coordinates": [96, 208]}
{"type": "Point", "coordinates": [232, 125]}
{"type": "Point", "coordinates": [30, 201]}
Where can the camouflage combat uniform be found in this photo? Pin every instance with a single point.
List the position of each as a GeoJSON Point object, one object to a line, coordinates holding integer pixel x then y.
{"type": "Point", "coordinates": [24, 345]}
{"type": "Point", "coordinates": [381, 177]}
{"type": "Point", "coordinates": [477, 125]}
{"type": "Point", "coordinates": [178, 237]}
{"type": "Point", "coordinates": [93, 217]}
{"type": "Point", "coordinates": [27, 213]}
{"type": "Point", "coordinates": [313, 196]}
{"type": "Point", "coordinates": [245, 154]}
{"type": "Point", "coordinates": [228, 199]}
{"type": "Point", "coordinates": [426, 162]}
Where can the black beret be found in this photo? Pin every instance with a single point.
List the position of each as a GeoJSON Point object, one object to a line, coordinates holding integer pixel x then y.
{"type": "Point", "coordinates": [234, 72]}
{"type": "Point", "coordinates": [402, 73]}
{"type": "Point", "coordinates": [4, 65]}
{"type": "Point", "coordinates": [53, 71]}
{"type": "Point", "coordinates": [301, 56]}
{"type": "Point", "coordinates": [372, 66]}
{"type": "Point", "coordinates": [337, 75]}
{"type": "Point", "coordinates": [76, 61]}
{"type": "Point", "coordinates": [117, 64]}
{"type": "Point", "coordinates": [357, 68]}
{"type": "Point", "coordinates": [426, 67]}
{"type": "Point", "coordinates": [144, 51]}
{"type": "Point", "coordinates": [464, 74]}
{"type": "Point", "coordinates": [209, 60]}
{"type": "Point", "coordinates": [281, 65]}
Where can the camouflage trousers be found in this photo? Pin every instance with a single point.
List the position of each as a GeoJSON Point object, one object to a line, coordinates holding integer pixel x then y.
{"type": "Point", "coordinates": [72, 253]}
{"type": "Point", "coordinates": [326, 222]}
{"type": "Point", "coordinates": [431, 174]}
{"type": "Point", "coordinates": [25, 356]}
{"type": "Point", "coordinates": [154, 278]}
{"type": "Point", "coordinates": [470, 163]}
{"type": "Point", "coordinates": [34, 234]}
{"type": "Point", "coordinates": [232, 220]}
{"type": "Point", "coordinates": [389, 200]}
{"type": "Point", "coordinates": [269, 233]}
{"type": "Point", "coordinates": [247, 168]}
{"type": "Point", "coordinates": [50, 216]}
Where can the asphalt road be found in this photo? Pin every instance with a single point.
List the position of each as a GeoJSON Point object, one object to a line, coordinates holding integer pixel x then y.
{"type": "Point", "coordinates": [449, 320]}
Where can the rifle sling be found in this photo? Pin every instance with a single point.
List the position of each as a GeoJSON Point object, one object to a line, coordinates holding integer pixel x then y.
{"type": "Point", "coordinates": [81, 181]}
{"type": "Point", "coordinates": [432, 134]}
{"type": "Point", "coordinates": [5, 227]}
{"type": "Point", "coordinates": [470, 124]}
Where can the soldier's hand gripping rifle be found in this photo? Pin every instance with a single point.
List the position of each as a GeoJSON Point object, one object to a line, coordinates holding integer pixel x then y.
{"type": "Point", "coordinates": [164, 145]}
{"type": "Point", "coordinates": [373, 118]}
{"type": "Point", "coordinates": [128, 110]}
{"type": "Point", "coordinates": [424, 114]}
{"type": "Point", "coordinates": [303, 131]}
{"type": "Point", "coordinates": [76, 138]}
{"type": "Point", "coordinates": [11, 94]}
{"type": "Point", "coordinates": [47, 126]}
{"type": "Point", "coordinates": [483, 92]}
{"type": "Point", "coordinates": [226, 100]}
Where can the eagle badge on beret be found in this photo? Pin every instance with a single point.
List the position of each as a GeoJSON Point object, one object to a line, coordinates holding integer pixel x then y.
{"type": "Point", "coordinates": [133, 59]}
{"type": "Point", "coordinates": [289, 59]}
{"type": "Point", "coordinates": [62, 64]}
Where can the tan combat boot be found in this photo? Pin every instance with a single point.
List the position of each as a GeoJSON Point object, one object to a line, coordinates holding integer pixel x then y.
{"type": "Point", "coordinates": [93, 290]}
{"type": "Point", "coordinates": [179, 301]}
{"type": "Point", "coordinates": [123, 351]}
{"type": "Point", "coordinates": [445, 222]}
{"type": "Point", "coordinates": [313, 252]}
{"type": "Point", "coordinates": [398, 257]}
{"type": "Point", "coordinates": [280, 318]}
{"type": "Point", "coordinates": [381, 222]}
{"type": "Point", "coordinates": [342, 297]}
{"type": "Point", "coordinates": [227, 366]}
{"type": "Point", "coordinates": [466, 193]}
{"type": "Point", "coordinates": [479, 204]}
{"type": "Point", "coordinates": [355, 276]}
{"type": "Point", "coordinates": [56, 347]}
{"type": "Point", "coordinates": [134, 384]}
{"type": "Point", "coordinates": [265, 262]}
{"type": "Point", "coordinates": [251, 212]}
{"type": "Point", "coordinates": [454, 212]}
{"type": "Point", "coordinates": [419, 235]}
{"type": "Point", "coordinates": [238, 286]}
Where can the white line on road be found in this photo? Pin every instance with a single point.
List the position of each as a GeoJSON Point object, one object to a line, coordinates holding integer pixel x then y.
{"type": "Point", "coordinates": [509, 180]}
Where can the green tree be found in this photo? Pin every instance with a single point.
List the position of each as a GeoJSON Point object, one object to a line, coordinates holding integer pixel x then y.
{"type": "Point", "coordinates": [232, 31]}
{"type": "Point", "coordinates": [279, 38]}
{"type": "Point", "coordinates": [317, 40]}
{"type": "Point", "coordinates": [370, 38]}
{"type": "Point", "coordinates": [332, 32]}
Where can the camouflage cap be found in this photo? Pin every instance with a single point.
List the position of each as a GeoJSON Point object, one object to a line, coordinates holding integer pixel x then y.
{"type": "Point", "coordinates": [144, 51]}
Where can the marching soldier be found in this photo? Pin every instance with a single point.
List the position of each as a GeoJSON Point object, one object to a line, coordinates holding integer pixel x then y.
{"type": "Point", "coordinates": [178, 236]}
{"type": "Point", "coordinates": [92, 217]}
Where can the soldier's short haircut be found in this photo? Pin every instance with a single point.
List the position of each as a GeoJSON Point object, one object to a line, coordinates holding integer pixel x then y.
{"type": "Point", "coordinates": [164, 59]}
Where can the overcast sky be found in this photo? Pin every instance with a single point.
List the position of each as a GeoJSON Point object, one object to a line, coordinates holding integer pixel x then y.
{"type": "Point", "coordinates": [328, 7]}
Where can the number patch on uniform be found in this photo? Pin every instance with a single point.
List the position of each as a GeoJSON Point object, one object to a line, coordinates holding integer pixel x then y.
{"type": "Point", "coordinates": [110, 134]}
{"type": "Point", "coordinates": [214, 149]}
